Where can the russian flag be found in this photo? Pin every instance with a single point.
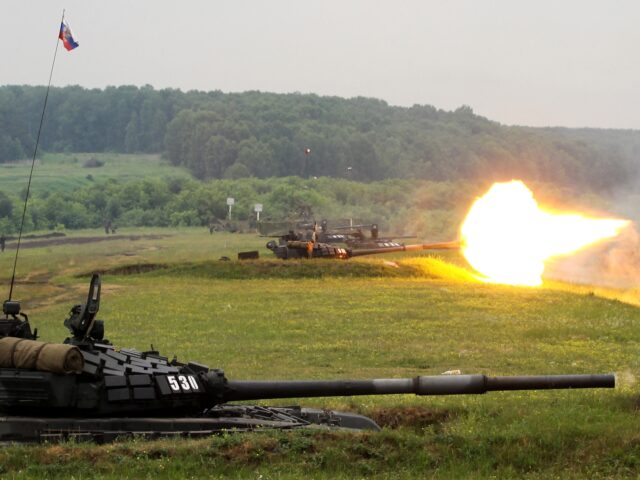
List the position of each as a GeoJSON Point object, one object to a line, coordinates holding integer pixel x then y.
{"type": "Point", "coordinates": [66, 37]}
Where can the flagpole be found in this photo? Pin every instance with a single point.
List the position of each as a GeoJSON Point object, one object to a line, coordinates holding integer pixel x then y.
{"type": "Point", "coordinates": [33, 162]}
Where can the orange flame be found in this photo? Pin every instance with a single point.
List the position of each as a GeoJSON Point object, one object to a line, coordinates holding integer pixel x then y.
{"type": "Point", "coordinates": [507, 237]}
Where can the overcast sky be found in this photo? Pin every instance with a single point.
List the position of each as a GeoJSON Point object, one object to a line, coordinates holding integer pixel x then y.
{"type": "Point", "coordinates": [536, 62]}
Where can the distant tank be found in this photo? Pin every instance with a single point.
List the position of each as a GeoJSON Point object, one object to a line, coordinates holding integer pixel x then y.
{"type": "Point", "coordinates": [85, 388]}
{"type": "Point", "coordinates": [311, 249]}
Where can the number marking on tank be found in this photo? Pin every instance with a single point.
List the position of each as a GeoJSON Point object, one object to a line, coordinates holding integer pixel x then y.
{"type": "Point", "coordinates": [183, 383]}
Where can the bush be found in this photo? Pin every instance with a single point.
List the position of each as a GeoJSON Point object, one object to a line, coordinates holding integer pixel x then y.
{"type": "Point", "coordinates": [93, 163]}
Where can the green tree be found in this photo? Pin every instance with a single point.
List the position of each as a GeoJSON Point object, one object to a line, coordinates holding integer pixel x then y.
{"type": "Point", "coordinates": [236, 171]}
{"type": "Point", "coordinates": [132, 134]}
{"type": "Point", "coordinates": [6, 205]}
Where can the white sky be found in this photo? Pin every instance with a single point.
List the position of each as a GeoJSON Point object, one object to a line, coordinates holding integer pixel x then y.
{"type": "Point", "coordinates": [529, 62]}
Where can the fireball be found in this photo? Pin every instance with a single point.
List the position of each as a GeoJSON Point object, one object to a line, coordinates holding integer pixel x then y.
{"type": "Point", "coordinates": [507, 237]}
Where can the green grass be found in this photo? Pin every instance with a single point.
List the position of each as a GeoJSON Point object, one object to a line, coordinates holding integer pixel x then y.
{"type": "Point", "coordinates": [360, 318]}
{"type": "Point", "coordinates": [67, 171]}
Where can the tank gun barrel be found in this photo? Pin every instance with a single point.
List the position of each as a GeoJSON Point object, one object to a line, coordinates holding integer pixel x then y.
{"type": "Point", "coordinates": [421, 385]}
{"type": "Point", "coordinates": [407, 248]}
{"type": "Point", "coordinates": [352, 227]}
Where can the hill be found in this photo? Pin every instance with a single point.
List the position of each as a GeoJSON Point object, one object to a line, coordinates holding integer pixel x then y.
{"type": "Point", "coordinates": [218, 135]}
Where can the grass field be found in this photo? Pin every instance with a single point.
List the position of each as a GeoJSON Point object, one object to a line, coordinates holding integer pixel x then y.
{"type": "Point", "coordinates": [271, 319]}
{"type": "Point", "coordinates": [68, 171]}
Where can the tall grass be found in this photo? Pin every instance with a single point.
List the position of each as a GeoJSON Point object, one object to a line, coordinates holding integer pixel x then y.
{"type": "Point", "coordinates": [70, 171]}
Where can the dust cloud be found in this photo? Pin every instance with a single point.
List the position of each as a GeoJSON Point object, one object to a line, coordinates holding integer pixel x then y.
{"type": "Point", "coordinates": [614, 263]}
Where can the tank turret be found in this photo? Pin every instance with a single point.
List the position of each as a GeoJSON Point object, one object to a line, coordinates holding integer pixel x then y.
{"type": "Point", "coordinates": [87, 388]}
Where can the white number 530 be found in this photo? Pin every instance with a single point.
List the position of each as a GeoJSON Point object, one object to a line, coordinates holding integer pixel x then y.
{"type": "Point", "coordinates": [185, 383]}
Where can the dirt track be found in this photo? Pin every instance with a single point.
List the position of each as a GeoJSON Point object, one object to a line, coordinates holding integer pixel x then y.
{"type": "Point", "coordinates": [49, 242]}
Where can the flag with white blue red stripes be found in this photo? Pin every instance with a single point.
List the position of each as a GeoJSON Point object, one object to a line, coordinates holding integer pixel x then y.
{"type": "Point", "coordinates": [66, 37]}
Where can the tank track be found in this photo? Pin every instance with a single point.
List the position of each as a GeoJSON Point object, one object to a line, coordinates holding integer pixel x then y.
{"type": "Point", "coordinates": [217, 420]}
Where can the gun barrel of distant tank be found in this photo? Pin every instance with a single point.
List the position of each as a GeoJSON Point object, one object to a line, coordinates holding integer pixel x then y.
{"type": "Point", "coordinates": [407, 248]}
{"type": "Point", "coordinates": [421, 385]}
{"type": "Point", "coordinates": [352, 227]}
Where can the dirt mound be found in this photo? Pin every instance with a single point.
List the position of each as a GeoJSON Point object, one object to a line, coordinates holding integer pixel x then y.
{"type": "Point", "coordinates": [412, 417]}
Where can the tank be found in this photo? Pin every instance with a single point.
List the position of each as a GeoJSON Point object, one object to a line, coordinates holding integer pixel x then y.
{"type": "Point", "coordinates": [311, 249]}
{"type": "Point", "coordinates": [85, 388]}
{"type": "Point", "coordinates": [352, 236]}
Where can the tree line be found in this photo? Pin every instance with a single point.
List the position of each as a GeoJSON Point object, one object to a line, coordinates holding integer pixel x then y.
{"type": "Point", "coordinates": [432, 210]}
{"type": "Point", "coordinates": [253, 134]}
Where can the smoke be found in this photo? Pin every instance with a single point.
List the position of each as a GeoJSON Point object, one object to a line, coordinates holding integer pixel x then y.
{"type": "Point", "coordinates": [614, 263]}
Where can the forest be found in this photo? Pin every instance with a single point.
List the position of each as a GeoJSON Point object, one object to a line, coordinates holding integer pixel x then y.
{"type": "Point", "coordinates": [235, 135]}
{"type": "Point", "coordinates": [414, 170]}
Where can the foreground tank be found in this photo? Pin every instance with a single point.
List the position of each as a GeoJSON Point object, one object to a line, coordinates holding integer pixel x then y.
{"type": "Point", "coordinates": [86, 388]}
